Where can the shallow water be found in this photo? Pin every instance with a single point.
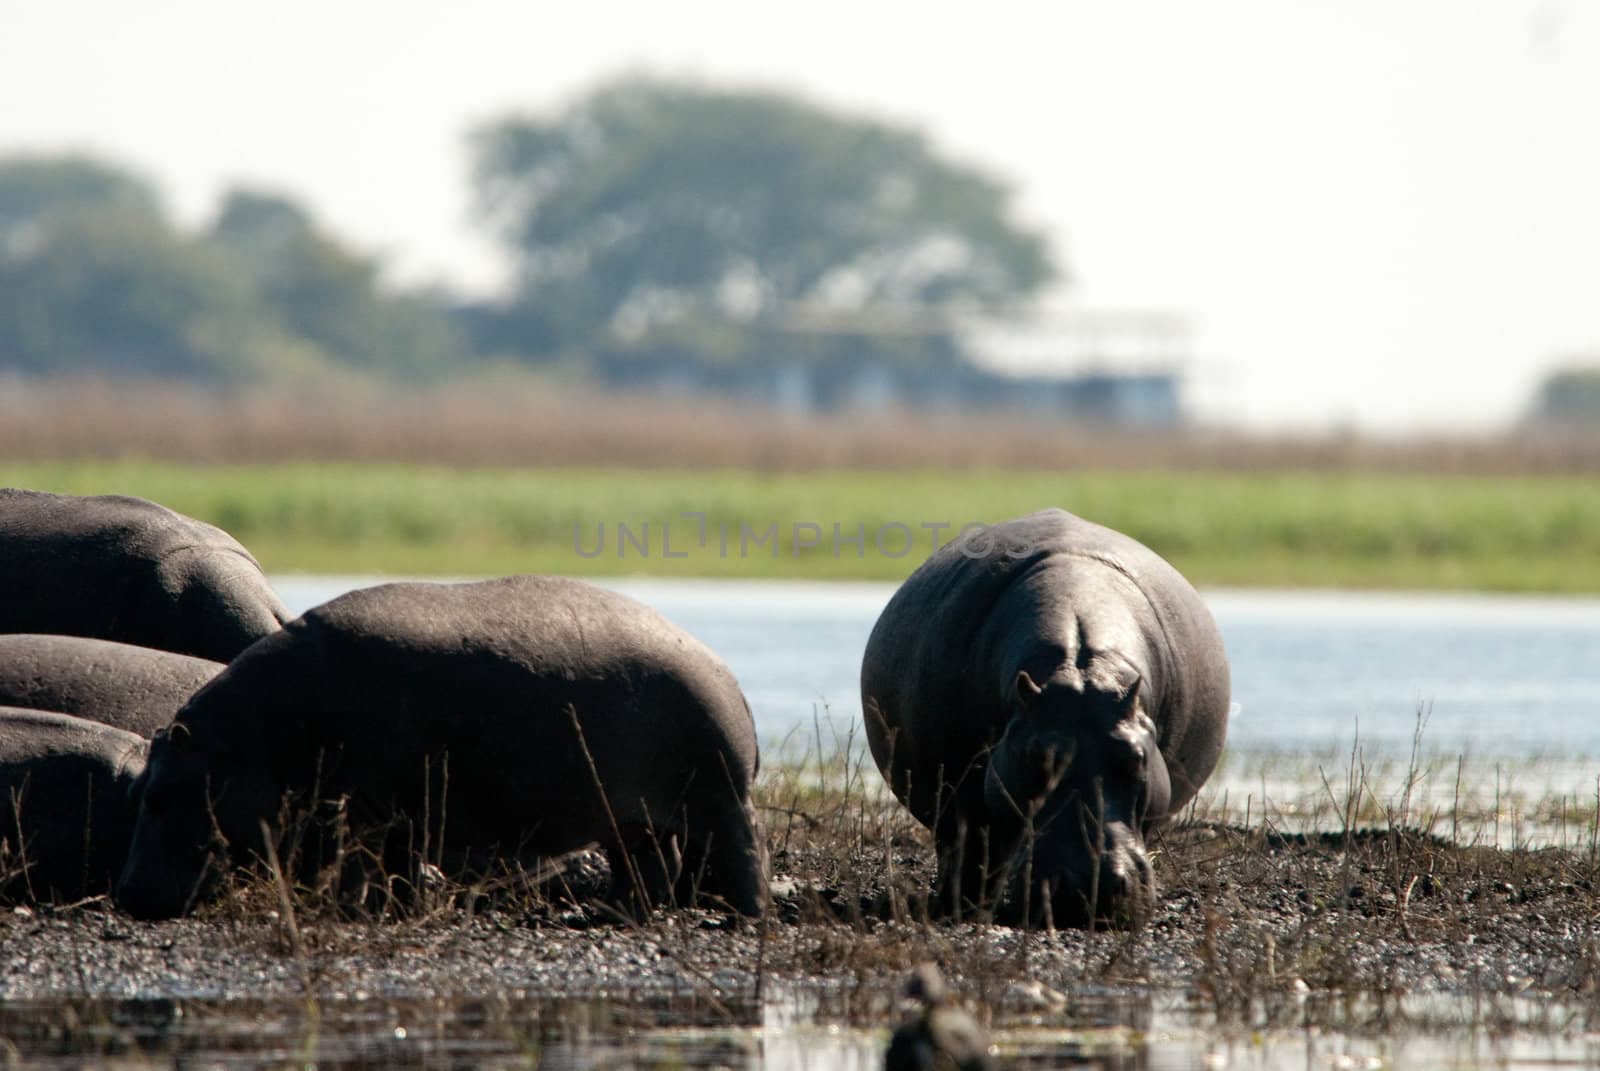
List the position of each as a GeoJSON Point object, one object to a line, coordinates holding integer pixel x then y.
{"type": "Point", "coordinates": [1509, 677]}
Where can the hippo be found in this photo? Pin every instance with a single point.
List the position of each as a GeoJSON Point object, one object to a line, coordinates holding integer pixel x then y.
{"type": "Point", "coordinates": [117, 568]}
{"type": "Point", "coordinates": [485, 717]}
{"type": "Point", "coordinates": [66, 804]}
{"type": "Point", "coordinates": [1040, 694]}
{"type": "Point", "coordinates": [137, 689]}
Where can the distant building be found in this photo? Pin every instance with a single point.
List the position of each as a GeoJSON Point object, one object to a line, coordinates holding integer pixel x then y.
{"type": "Point", "coordinates": [1113, 370]}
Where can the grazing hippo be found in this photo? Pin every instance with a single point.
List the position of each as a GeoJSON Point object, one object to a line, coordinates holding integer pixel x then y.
{"type": "Point", "coordinates": [66, 809]}
{"type": "Point", "coordinates": [1039, 694]}
{"type": "Point", "coordinates": [137, 689]}
{"type": "Point", "coordinates": [449, 715]}
{"type": "Point", "coordinates": [118, 568]}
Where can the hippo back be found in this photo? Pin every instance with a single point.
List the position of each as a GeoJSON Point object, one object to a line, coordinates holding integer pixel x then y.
{"type": "Point", "coordinates": [528, 713]}
{"type": "Point", "coordinates": [932, 706]}
{"type": "Point", "coordinates": [137, 689]}
{"type": "Point", "coordinates": [66, 785]}
{"type": "Point", "coordinates": [509, 654]}
{"type": "Point", "coordinates": [119, 568]}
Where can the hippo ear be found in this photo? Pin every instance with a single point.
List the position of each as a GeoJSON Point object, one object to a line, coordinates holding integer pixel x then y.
{"type": "Point", "coordinates": [178, 737]}
{"type": "Point", "coordinates": [1130, 698]}
{"type": "Point", "coordinates": [1027, 690]}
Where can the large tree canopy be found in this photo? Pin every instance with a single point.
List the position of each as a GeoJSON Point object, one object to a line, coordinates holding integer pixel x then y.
{"type": "Point", "coordinates": [648, 201]}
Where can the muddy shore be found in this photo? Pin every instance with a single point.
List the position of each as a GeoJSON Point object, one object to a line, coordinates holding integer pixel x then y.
{"type": "Point", "coordinates": [1248, 924]}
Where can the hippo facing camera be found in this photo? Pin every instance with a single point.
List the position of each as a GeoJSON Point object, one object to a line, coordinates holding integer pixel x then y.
{"type": "Point", "coordinates": [1040, 708]}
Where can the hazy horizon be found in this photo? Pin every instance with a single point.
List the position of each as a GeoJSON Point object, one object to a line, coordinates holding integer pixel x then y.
{"type": "Point", "coordinates": [1374, 215]}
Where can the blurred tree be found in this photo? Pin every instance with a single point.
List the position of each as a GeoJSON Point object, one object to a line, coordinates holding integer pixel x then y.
{"type": "Point", "coordinates": [649, 202]}
{"type": "Point", "coordinates": [332, 298]}
{"type": "Point", "coordinates": [1569, 396]}
{"type": "Point", "coordinates": [34, 189]}
{"type": "Point", "coordinates": [94, 279]}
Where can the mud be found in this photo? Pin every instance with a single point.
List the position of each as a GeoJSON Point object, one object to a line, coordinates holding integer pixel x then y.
{"type": "Point", "coordinates": [1251, 926]}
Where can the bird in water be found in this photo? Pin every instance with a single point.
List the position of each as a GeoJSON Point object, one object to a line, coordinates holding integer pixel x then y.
{"type": "Point", "coordinates": [939, 1035]}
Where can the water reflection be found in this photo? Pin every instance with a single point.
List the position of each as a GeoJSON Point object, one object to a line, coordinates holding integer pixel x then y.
{"type": "Point", "coordinates": [361, 1033]}
{"type": "Point", "coordinates": [794, 1029]}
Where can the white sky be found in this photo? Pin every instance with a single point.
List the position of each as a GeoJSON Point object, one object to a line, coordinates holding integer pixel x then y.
{"type": "Point", "coordinates": [1380, 213]}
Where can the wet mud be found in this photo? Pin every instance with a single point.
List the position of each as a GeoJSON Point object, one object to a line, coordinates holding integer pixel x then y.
{"type": "Point", "coordinates": [1366, 934]}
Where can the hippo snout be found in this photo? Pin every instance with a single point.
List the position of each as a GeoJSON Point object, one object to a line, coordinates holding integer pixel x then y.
{"type": "Point", "coordinates": [1117, 893]}
{"type": "Point", "coordinates": [149, 893]}
{"type": "Point", "coordinates": [151, 887]}
{"type": "Point", "coordinates": [1124, 885]}
{"type": "Point", "coordinates": [1113, 887]}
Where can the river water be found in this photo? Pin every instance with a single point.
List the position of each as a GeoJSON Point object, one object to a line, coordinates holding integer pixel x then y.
{"type": "Point", "coordinates": [1517, 678]}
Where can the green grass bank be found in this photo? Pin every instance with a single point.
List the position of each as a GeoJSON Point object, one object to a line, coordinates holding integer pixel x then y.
{"type": "Point", "coordinates": [1259, 528]}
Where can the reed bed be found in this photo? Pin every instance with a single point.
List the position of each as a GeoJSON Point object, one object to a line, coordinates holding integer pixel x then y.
{"type": "Point", "coordinates": [517, 423]}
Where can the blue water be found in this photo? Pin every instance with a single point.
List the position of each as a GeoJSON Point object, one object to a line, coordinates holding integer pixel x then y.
{"type": "Point", "coordinates": [1508, 676]}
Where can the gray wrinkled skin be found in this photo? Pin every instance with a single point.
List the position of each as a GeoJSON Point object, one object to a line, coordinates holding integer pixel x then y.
{"type": "Point", "coordinates": [66, 787]}
{"type": "Point", "coordinates": [1040, 707]}
{"type": "Point", "coordinates": [137, 689]}
{"type": "Point", "coordinates": [117, 568]}
{"type": "Point", "coordinates": [441, 713]}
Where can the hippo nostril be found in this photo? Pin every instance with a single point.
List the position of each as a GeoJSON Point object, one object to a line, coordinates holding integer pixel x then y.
{"type": "Point", "coordinates": [1116, 887]}
{"type": "Point", "coordinates": [1142, 873]}
{"type": "Point", "coordinates": [1127, 885]}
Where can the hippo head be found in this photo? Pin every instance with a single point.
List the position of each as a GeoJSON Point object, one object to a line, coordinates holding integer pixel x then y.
{"type": "Point", "coordinates": [200, 804]}
{"type": "Point", "coordinates": [1079, 770]}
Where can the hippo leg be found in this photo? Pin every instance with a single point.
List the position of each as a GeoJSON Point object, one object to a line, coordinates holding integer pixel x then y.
{"type": "Point", "coordinates": [972, 868]}
{"type": "Point", "coordinates": [974, 853]}
{"type": "Point", "coordinates": [688, 864]}
{"type": "Point", "coordinates": [729, 867]}
{"type": "Point", "coordinates": [646, 866]}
